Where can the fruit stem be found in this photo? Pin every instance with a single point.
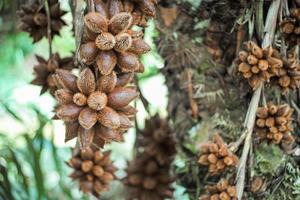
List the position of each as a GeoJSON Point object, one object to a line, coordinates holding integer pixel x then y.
{"type": "Point", "coordinates": [48, 27]}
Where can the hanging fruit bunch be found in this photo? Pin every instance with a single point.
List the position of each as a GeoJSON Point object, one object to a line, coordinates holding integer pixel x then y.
{"type": "Point", "coordinates": [95, 105]}
{"type": "Point", "coordinates": [45, 70]}
{"type": "Point", "coordinates": [148, 175]}
{"type": "Point", "coordinates": [222, 190]}
{"type": "Point", "coordinates": [141, 10]}
{"type": "Point", "coordinates": [288, 77]}
{"type": "Point", "coordinates": [93, 169]}
{"type": "Point", "coordinates": [34, 19]}
{"type": "Point", "coordinates": [147, 179]}
{"type": "Point", "coordinates": [109, 43]}
{"type": "Point", "coordinates": [258, 65]}
{"type": "Point", "coordinates": [157, 140]}
{"type": "Point", "coordinates": [216, 155]}
{"type": "Point", "coordinates": [274, 124]}
{"type": "Point", "coordinates": [290, 27]}
{"type": "Point", "coordinates": [92, 110]}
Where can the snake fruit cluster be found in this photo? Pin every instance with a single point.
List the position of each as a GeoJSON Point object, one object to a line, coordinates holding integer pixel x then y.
{"type": "Point", "coordinates": [290, 27]}
{"type": "Point", "coordinates": [44, 71]}
{"type": "Point", "coordinates": [258, 65]}
{"type": "Point", "coordinates": [274, 123]}
{"type": "Point", "coordinates": [216, 155]}
{"type": "Point", "coordinates": [93, 169]}
{"type": "Point", "coordinates": [109, 43]}
{"type": "Point", "coordinates": [148, 175]}
{"type": "Point", "coordinates": [34, 19]}
{"type": "Point", "coordinates": [288, 77]}
{"type": "Point", "coordinates": [97, 111]}
{"type": "Point", "coordinates": [221, 191]}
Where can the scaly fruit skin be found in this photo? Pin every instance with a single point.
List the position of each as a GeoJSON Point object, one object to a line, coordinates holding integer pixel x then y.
{"type": "Point", "coordinates": [148, 175]}
{"type": "Point", "coordinates": [34, 19]}
{"type": "Point", "coordinates": [93, 170]}
{"type": "Point", "coordinates": [274, 124]}
{"type": "Point", "coordinates": [44, 71]}
{"type": "Point", "coordinates": [216, 155]}
{"type": "Point", "coordinates": [222, 190]}
{"type": "Point", "coordinates": [290, 27]}
{"type": "Point", "coordinates": [109, 44]}
{"type": "Point", "coordinates": [92, 109]}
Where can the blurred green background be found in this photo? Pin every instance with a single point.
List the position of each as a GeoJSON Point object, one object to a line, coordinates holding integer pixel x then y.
{"type": "Point", "coordinates": [32, 148]}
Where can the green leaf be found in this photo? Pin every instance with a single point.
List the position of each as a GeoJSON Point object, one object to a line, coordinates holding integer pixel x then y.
{"type": "Point", "coordinates": [59, 168]}
{"type": "Point", "coordinates": [36, 168]}
{"type": "Point", "coordinates": [5, 183]}
{"type": "Point", "coordinates": [269, 157]}
{"type": "Point", "coordinates": [11, 112]}
{"type": "Point", "coordinates": [24, 178]}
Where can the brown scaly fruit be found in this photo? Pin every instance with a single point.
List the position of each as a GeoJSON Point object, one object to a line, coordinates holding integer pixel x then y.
{"type": "Point", "coordinates": [141, 10]}
{"type": "Point", "coordinates": [93, 169]}
{"type": "Point", "coordinates": [44, 71]}
{"type": "Point", "coordinates": [34, 19]}
{"type": "Point", "coordinates": [95, 111]}
{"type": "Point", "coordinates": [108, 40]}
{"type": "Point", "coordinates": [223, 190]}
{"type": "Point", "coordinates": [157, 140]}
{"type": "Point", "coordinates": [217, 156]}
{"type": "Point", "coordinates": [147, 179]}
{"type": "Point", "coordinates": [274, 124]}
{"type": "Point", "coordinates": [258, 65]}
{"type": "Point", "coordinates": [148, 175]}
{"type": "Point", "coordinates": [288, 77]}
{"type": "Point", "coordinates": [290, 27]}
